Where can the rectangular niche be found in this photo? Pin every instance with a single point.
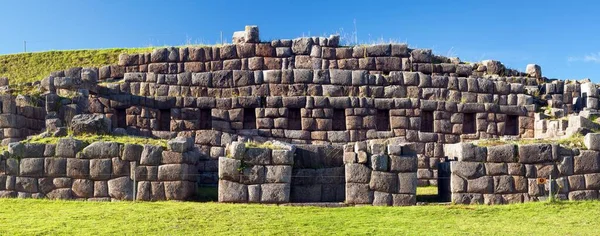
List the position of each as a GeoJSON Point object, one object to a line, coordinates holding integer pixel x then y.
{"type": "Point", "coordinates": [164, 120]}
{"type": "Point", "coordinates": [426, 121]}
{"type": "Point", "coordinates": [205, 121]}
{"type": "Point", "coordinates": [383, 120]}
{"type": "Point", "coordinates": [338, 123]}
{"type": "Point", "coordinates": [511, 126]}
{"type": "Point", "coordinates": [294, 119]}
{"type": "Point", "coordinates": [469, 123]}
{"type": "Point", "coordinates": [249, 118]}
{"type": "Point", "coordinates": [120, 118]}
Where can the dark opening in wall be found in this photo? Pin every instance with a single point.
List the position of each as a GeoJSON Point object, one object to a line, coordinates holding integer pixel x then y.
{"type": "Point", "coordinates": [205, 121]}
{"type": "Point", "coordinates": [249, 118]}
{"type": "Point", "coordinates": [469, 124]}
{"type": "Point", "coordinates": [383, 120]}
{"type": "Point", "coordinates": [294, 119]}
{"type": "Point", "coordinates": [164, 120]}
{"type": "Point", "coordinates": [426, 121]}
{"type": "Point", "coordinates": [512, 125]}
{"type": "Point", "coordinates": [120, 118]}
{"type": "Point", "coordinates": [338, 123]}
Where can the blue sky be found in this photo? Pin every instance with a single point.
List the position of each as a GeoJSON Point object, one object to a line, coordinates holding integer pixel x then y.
{"type": "Point", "coordinates": [561, 36]}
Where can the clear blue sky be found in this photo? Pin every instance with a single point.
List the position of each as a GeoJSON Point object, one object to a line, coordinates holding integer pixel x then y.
{"type": "Point", "coordinates": [561, 36]}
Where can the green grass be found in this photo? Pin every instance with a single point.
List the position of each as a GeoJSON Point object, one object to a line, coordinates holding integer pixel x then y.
{"type": "Point", "coordinates": [90, 138]}
{"type": "Point", "coordinates": [574, 141]}
{"type": "Point", "coordinates": [29, 216]}
{"type": "Point", "coordinates": [30, 67]}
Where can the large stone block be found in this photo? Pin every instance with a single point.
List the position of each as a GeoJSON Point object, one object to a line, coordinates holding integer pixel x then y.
{"type": "Point", "coordinates": [382, 199]}
{"type": "Point", "coordinates": [68, 147]}
{"type": "Point", "coordinates": [258, 156]}
{"type": "Point", "coordinates": [302, 46]}
{"type": "Point", "coordinates": [592, 181]}
{"type": "Point", "coordinates": [592, 141]}
{"type": "Point", "coordinates": [91, 124]}
{"type": "Point", "coordinates": [403, 163]}
{"type": "Point", "coordinates": [61, 193]}
{"type": "Point", "coordinates": [583, 195]}
{"type": "Point", "coordinates": [504, 184]}
{"type": "Point", "coordinates": [83, 188]}
{"type": "Point", "coordinates": [229, 169]}
{"type": "Point", "coordinates": [457, 184]}
{"type": "Point", "coordinates": [587, 162]}
{"type": "Point", "coordinates": [384, 182]}
{"type": "Point", "coordinates": [78, 168]}
{"type": "Point", "coordinates": [467, 170]}
{"type": "Point", "coordinates": [466, 152]}
{"type": "Point", "coordinates": [467, 198]}
{"type": "Point", "coordinates": [408, 183]}
{"type": "Point", "coordinates": [151, 155]}
{"type": "Point", "coordinates": [483, 184]}
{"type": "Point", "coordinates": [404, 199]}
{"type": "Point", "coordinates": [279, 174]}
{"type": "Point", "coordinates": [357, 173]}
{"type": "Point", "coordinates": [100, 169]}
{"type": "Point", "coordinates": [179, 190]}
{"type": "Point", "coordinates": [275, 193]}
{"type": "Point", "coordinates": [282, 157]}
{"type": "Point", "coordinates": [26, 184]}
{"type": "Point", "coordinates": [536, 153]}
{"type": "Point", "coordinates": [379, 162]}
{"type": "Point", "coordinates": [31, 167]}
{"type": "Point", "coordinates": [177, 172]}
{"type": "Point", "coordinates": [253, 175]}
{"type": "Point", "coordinates": [121, 188]}
{"type": "Point", "coordinates": [132, 152]}
{"type": "Point", "coordinates": [502, 153]}
{"type": "Point", "coordinates": [101, 149]}
{"type": "Point", "coordinates": [358, 194]}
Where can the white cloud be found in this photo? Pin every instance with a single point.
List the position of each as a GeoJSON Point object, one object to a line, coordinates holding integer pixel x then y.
{"type": "Point", "coordinates": [592, 57]}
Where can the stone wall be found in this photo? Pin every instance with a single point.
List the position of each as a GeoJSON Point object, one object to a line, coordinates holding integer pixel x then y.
{"type": "Point", "coordinates": [256, 174]}
{"type": "Point", "coordinates": [20, 117]}
{"type": "Point", "coordinates": [380, 175]}
{"type": "Point", "coordinates": [318, 174]}
{"type": "Point", "coordinates": [101, 171]}
{"type": "Point", "coordinates": [509, 173]}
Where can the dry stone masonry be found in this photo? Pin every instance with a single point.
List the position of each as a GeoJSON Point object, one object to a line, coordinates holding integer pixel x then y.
{"type": "Point", "coordinates": [327, 104]}
{"type": "Point", "coordinates": [101, 171]}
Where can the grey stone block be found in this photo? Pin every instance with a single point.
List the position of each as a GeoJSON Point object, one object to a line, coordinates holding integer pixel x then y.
{"type": "Point", "coordinates": [467, 170]}
{"type": "Point", "coordinates": [457, 184]}
{"type": "Point", "coordinates": [180, 144]}
{"type": "Point", "coordinates": [340, 77]}
{"type": "Point", "coordinates": [404, 199]}
{"type": "Point", "coordinates": [382, 199]}
{"type": "Point", "coordinates": [31, 167]}
{"type": "Point", "coordinates": [501, 153]}
{"type": "Point", "coordinates": [483, 184]}
{"type": "Point", "coordinates": [179, 190]}
{"type": "Point", "coordinates": [583, 195]}
{"type": "Point", "coordinates": [504, 184]}
{"type": "Point", "coordinates": [275, 193]}
{"type": "Point", "coordinates": [78, 168]}
{"type": "Point", "coordinates": [279, 174]}
{"type": "Point", "coordinates": [357, 173]}
{"type": "Point", "coordinates": [384, 182]}
{"type": "Point", "coordinates": [151, 155]}
{"type": "Point", "coordinates": [229, 169]}
{"type": "Point", "coordinates": [83, 188]}
{"type": "Point", "coordinates": [592, 181]}
{"type": "Point", "coordinates": [587, 162]}
{"type": "Point", "coordinates": [358, 194]}
{"type": "Point", "coordinates": [100, 169]}
{"type": "Point", "coordinates": [253, 175]}
{"type": "Point", "coordinates": [282, 157]}
{"type": "Point", "coordinates": [408, 183]}
{"type": "Point", "coordinates": [403, 163]}
{"type": "Point", "coordinates": [121, 188]}
{"type": "Point", "coordinates": [496, 168]}
{"type": "Point", "coordinates": [26, 184]}
{"type": "Point", "coordinates": [254, 193]}
{"type": "Point", "coordinates": [258, 156]}
{"type": "Point", "coordinates": [132, 152]}
{"type": "Point", "coordinates": [177, 172]}
{"type": "Point", "coordinates": [535, 153]}
{"type": "Point", "coordinates": [379, 162]}
{"type": "Point", "coordinates": [68, 147]}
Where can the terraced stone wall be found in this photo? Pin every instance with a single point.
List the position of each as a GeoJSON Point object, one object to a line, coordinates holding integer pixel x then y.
{"type": "Point", "coordinates": [101, 171]}
{"type": "Point", "coordinates": [20, 117]}
{"type": "Point", "coordinates": [509, 173]}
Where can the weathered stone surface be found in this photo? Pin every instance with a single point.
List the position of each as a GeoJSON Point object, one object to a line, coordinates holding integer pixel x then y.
{"type": "Point", "coordinates": [132, 152]}
{"type": "Point", "coordinates": [592, 141]}
{"type": "Point", "coordinates": [121, 188]}
{"type": "Point", "coordinates": [31, 167]}
{"type": "Point", "coordinates": [61, 193]}
{"type": "Point", "coordinates": [535, 153]}
{"type": "Point", "coordinates": [379, 162]}
{"type": "Point", "coordinates": [404, 199]}
{"type": "Point", "coordinates": [467, 170]}
{"type": "Point", "coordinates": [275, 193]}
{"type": "Point", "coordinates": [408, 183]}
{"type": "Point", "coordinates": [496, 168]}
{"type": "Point", "coordinates": [101, 189]}
{"type": "Point", "coordinates": [78, 168]}
{"type": "Point", "coordinates": [68, 147]}
{"type": "Point", "coordinates": [501, 153]}
{"type": "Point", "coordinates": [176, 172]}
{"type": "Point", "coordinates": [258, 156]}
{"type": "Point", "coordinates": [101, 149]}
{"type": "Point", "coordinates": [151, 155]}
{"type": "Point", "coordinates": [583, 195]}
{"type": "Point", "coordinates": [483, 184]}
{"type": "Point", "coordinates": [403, 163]}
{"type": "Point", "coordinates": [382, 199]}
{"type": "Point", "coordinates": [229, 169]}
{"type": "Point", "coordinates": [83, 188]}
{"type": "Point", "coordinates": [26, 184]}
{"type": "Point", "coordinates": [504, 184]}
{"type": "Point", "coordinates": [100, 169]}
{"type": "Point", "coordinates": [179, 190]}
{"type": "Point", "coordinates": [278, 174]}
{"type": "Point", "coordinates": [282, 157]}
{"type": "Point", "coordinates": [466, 152]}
{"type": "Point", "coordinates": [232, 192]}
{"type": "Point", "coordinates": [384, 182]}
{"type": "Point", "coordinates": [587, 162]}
{"type": "Point", "coordinates": [91, 124]}
{"type": "Point", "coordinates": [457, 184]}
{"type": "Point", "coordinates": [358, 194]}
{"type": "Point", "coordinates": [253, 175]}
{"type": "Point", "coordinates": [180, 144]}
{"type": "Point", "coordinates": [357, 173]}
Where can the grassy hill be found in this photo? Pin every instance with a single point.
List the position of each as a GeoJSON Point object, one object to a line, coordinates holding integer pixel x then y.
{"type": "Point", "coordinates": [30, 67]}
{"type": "Point", "coordinates": [35, 217]}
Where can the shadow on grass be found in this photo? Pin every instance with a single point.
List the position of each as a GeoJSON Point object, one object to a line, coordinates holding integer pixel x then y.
{"type": "Point", "coordinates": [206, 194]}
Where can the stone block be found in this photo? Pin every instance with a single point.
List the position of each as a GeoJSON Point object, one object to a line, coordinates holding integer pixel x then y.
{"type": "Point", "coordinates": [275, 193]}
{"type": "Point", "coordinates": [83, 188]}
{"type": "Point", "coordinates": [254, 193]}
{"type": "Point", "coordinates": [587, 162]}
{"type": "Point", "coordinates": [229, 169]}
{"type": "Point", "coordinates": [101, 149]}
{"type": "Point", "coordinates": [379, 162]}
{"type": "Point", "coordinates": [26, 184]}
{"type": "Point", "coordinates": [121, 188]}
{"type": "Point", "coordinates": [258, 156]}
{"type": "Point", "coordinates": [583, 195]}
{"type": "Point", "coordinates": [180, 144]}
{"type": "Point", "coordinates": [357, 173]}
{"type": "Point", "coordinates": [535, 153]}
{"type": "Point", "coordinates": [403, 163]}
{"type": "Point", "coordinates": [504, 184]}
{"type": "Point", "coordinates": [253, 175]}
{"type": "Point", "coordinates": [68, 147]}
{"type": "Point", "coordinates": [358, 194]}
{"type": "Point", "coordinates": [100, 169]}
{"type": "Point", "coordinates": [496, 168]}
{"type": "Point", "coordinates": [132, 152]}
{"type": "Point", "coordinates": [179, 190]}
{"type": "Point", "coordinates": [382, 199]}
{"type": "Point", "coordinates": [501, 153]}
{"type": "Point", "coordinates": [408, 183]}
{"type": "Point", "coordinates": [151, 155]}
{"type": "Point", "coordinates": [592, 181]}
{"type": "Point", "coordinates": [592, 141]}
{"type": "Point", "coordinates": [101, 189]}
{"type": "Point", "coordinates": [404, 199]}
{"type": "Point", "coordinates": [457, 184]}
{"type": "Point", "coordinates": [484, 184]}
{"type": "Point", "coordinates": [176, 172]}
{"type": "Point", "coordinates": [384, 182]}
{"type": "Point", "coordinates": [78, 168]}
{"type": "Point", "coordinates": [31, 167]}
{"type": "Point", "coordinates": [467, 170]}
{"type": "Point", "coordinates": [278, 174]}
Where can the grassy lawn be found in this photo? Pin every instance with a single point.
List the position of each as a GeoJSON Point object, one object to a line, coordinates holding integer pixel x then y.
{"type": "Point", "coordinates": [29, 216]}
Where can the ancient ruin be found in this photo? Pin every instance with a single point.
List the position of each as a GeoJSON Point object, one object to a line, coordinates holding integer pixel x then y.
{"type": "Point", "coordinates": [303, 120]}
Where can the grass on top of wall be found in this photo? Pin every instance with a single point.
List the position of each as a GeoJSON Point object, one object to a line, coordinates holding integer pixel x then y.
{"type": "Point", "coordinates": [35, 217]}
{"type": "Point", "coordinates": [90, 138]}
{"type": "Point", "coordinates": [30, 67]}
{"type": "Point", "coordinates": [574, 141]}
